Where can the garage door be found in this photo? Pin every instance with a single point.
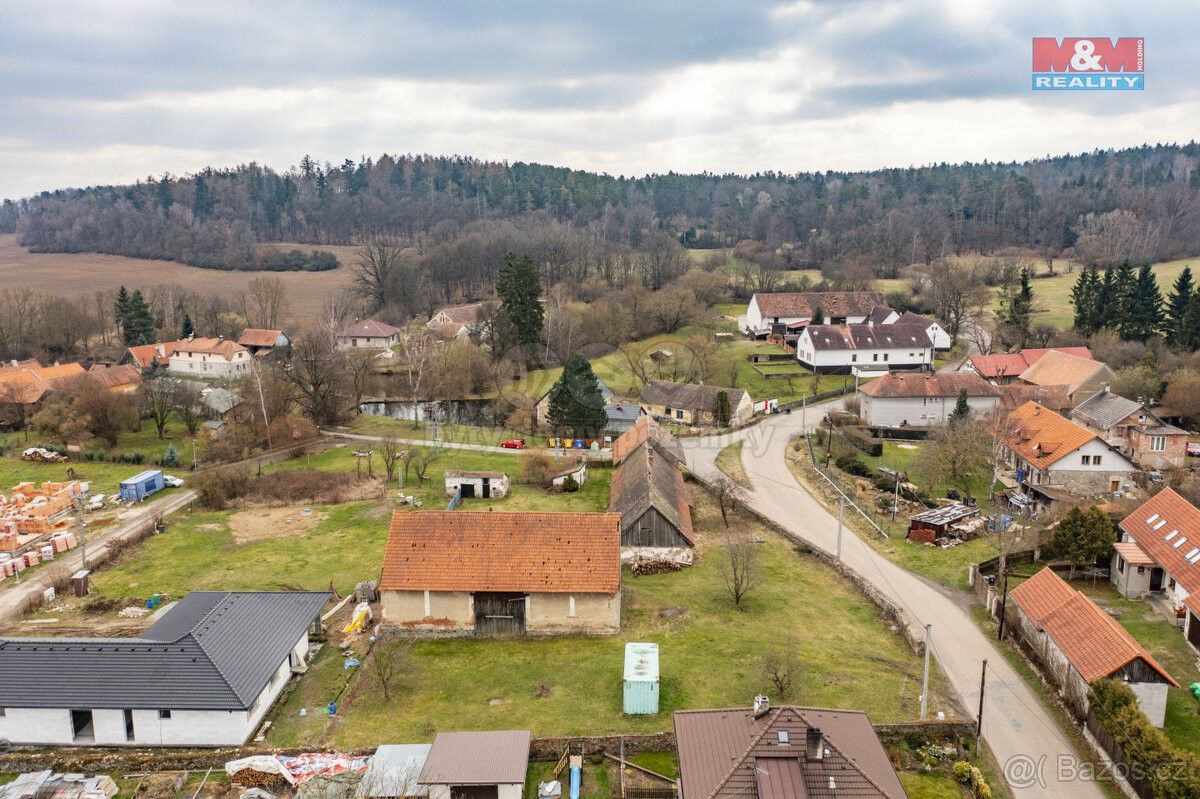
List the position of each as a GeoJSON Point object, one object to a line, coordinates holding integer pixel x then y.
{"type": "Point", "coordinates": [499, 614]}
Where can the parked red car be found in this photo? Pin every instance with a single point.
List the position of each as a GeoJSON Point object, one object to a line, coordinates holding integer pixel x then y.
{"type": "Point", "coordinates": [513, 443]}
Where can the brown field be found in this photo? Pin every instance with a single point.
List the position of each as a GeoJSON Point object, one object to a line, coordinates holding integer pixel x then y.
{"type": "Point", "coordinates": [87, 273]}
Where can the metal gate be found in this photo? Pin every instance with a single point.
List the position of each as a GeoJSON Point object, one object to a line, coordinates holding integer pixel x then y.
{"type": "Point", "coordinates": [499, 614]}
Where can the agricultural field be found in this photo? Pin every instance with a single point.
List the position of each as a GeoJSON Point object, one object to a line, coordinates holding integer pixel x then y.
{"type": "Point", "coordinates": [1052, 295]}
{"type": "Point", "coordinates": [83, 274]}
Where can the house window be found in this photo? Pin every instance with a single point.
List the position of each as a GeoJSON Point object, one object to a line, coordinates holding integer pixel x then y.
{"type": "Point", "coordinates": [885, 356]}
{"type": "Point", "coordinates": [1158, 443]}
{"type": "Point", "coordinates": [875, 356]}
{"type": "Point", "coordinates": [678, 414]}
{"type": "Point", "coordinates": [1086, 460]}
{"type": "Point", "coordinates": [164, 714]}
{"type": "Point", "coordinates": [854, 358]}
{"type": "Point", "coordinates": [1, 712]}
{"type": "Point", "coordinates": [1095, 460]}
{"type": "Point", "coordinates": [1120, 564]}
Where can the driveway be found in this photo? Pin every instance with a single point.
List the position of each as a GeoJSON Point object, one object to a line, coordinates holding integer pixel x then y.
{"type": "Point", "coordinates": [1015, 724]}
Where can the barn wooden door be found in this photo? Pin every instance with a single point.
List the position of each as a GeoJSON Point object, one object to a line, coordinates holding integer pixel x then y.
{"type": "Point", "coordinates": [499, 614]}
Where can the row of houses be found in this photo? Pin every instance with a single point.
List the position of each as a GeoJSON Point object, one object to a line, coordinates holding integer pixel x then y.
{"type": "Point", "coordinates": [25, 384]}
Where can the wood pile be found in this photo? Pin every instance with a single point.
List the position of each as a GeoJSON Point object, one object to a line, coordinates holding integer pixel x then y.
{"type": "Point", "coordinates": [646, 566]}
{"type": "Point", "coordinates": [253, 778]}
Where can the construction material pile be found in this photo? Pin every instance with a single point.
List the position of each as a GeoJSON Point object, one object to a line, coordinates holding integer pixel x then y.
{"type": "Point", "coordinates": [277, 773]}
{"type": "Point", "coordinates": [59, 786]}
{"type": "Point", "coordinates": [42, 455]}
{"type": "Point", "coordinates": [645, 566]}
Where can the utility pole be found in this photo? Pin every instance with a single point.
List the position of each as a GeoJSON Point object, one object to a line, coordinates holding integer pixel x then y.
{"type": "Point", "coordinates": [841, 514]}
{"type": "Point", "coordinates": [829, 442]}
{"type": "Point", "coordinates": [1003, 600]}
{"type": "Point", "coordinates": [896, 496]}
{"type": "Point", "coordinates": [925, 678]}
{"type": "Point", "coordinates": [78, 503]}
{"type": "Point", "coordinates": [193, 453]}
{"type": "Point", "coordinates": [979, 719]}
{"type": "Point", "coordinates": [804, 413]}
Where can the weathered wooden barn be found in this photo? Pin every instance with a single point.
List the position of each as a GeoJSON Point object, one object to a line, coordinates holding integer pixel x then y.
{"type": "Point", "coordinates": [655, 506]}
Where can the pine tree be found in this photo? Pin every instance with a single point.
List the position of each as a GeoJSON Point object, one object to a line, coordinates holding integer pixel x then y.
{"type": "Point", "coordinates": [1142, 312]}
{"type": "Point", "coordinates": [576, 402]}
{"type": "Point", "coordinates": [187, 329]}
{"type": "Point", "coordinates": [1104, 314]}
{"type": "Point", "coordinates": [962, 409]}
{"type": "Point", "coordinates": [1124, 286]}
{"type": "Point", "coordinates": [1017, 307]}
{"type": "Point", "coordinates": [1188, 337]}
{"type": "Point", "coordinates": [818, 316]}
{"type": "Point", "coordinates": [121, 307]}
{"type": "Point", "coordinates": [203, 201]}
{"type": "Point", "coordinates": [721, 410]}
{"type": "Point", "coordinates": [163, 193]}
{"type": "Point", "coordinates": [1084, 296]}
{"type": "Point", "coordinates": [520, 289]}
{"type": "Point", "coordinates": [1177, 305]}
{"type": "Point", "coordinates": [138, 326]}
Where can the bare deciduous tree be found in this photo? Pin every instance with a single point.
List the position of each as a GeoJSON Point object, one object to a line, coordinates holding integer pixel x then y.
{"type": "Point", "coordinates": [189, 407]}
{"type": "Point", "coordinates": [728, 494]}
{"type": "Point", "coordinates": [423, 459]}
{"type": "Point", "coordinates": [781, 667]}
{"type": "Point", "coordinates": [739, 569]}
{"type": "Point", "coordinates": [391, 663]}
{"type": "Point", "coordinates": [265, 302]}
{"type": "Point", "coordinates": [158, 401]}
{"type": "Point", "coordinates": [390, 453]}
{"type": "Point", "coordinates": [378, 259]}
{"type": "Point", "coordinates": [317, 372]}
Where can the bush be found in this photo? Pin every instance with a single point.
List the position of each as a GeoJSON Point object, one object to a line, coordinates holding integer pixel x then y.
{"type": "Point", "coordinates": [962, 771]}
{"type": "Point", "coordinates": [216, 488]}
{"type": "Point", "coordinates": [570, 484]}
{"type": "Point", "coordinates": [1146, 750]}
{"type": "Point", "coordinates": [850, 464]}
{"type": "Point", "coordinates": [535, 465]}
{"type": "Point", "coordinates": [861, 439]}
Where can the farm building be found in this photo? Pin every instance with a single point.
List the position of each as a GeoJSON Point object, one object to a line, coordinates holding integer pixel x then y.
{"type": "Point", "coordinates": [142, 485]}
{"type": "Point", "coordinates": [262, 343]}
{"type": "Point", "coordinates": [477, 765]}
{"type": "Point", "coordinates": [26, 383]}
{"type": "Point", "coordinates": [1159, 551]}
{"type": "Point", "coordinates": [781, 753]}
{"type": "Point", "coordinates": [841, 349]}
{"type": "Point", "coordinates": [938, 335]}
{"type": "Point", "coordinates": [368, 334]}
{"type": "Point", "coordinates": [204, 674]}
{"type": "Point", "coordinates": [1079, 643]}
{"type": "Point", "coordinates": [1045, 449]}
{"type": "Point", "coordinates": [646, 429]}
{"type": "Point", "coordinates": [641, 679]}
{"type": "Point", "coordinates": [1006, 367]}
{"type": "Point", "coordinates": [1134, 429]}
{"type": "Point", "coordinates": [693, 403]}
{"type": "Point", "coordinates": [923, 399]}
{"type": "Point", "coordinates": [767, 310]}
{"type": "Point", "coordinates": [485, 485]}
{"type": "Point", "coordinates": [930, 525]}
{"type": "Point", "coordinates": [502, 573]}
{"type": "Point", "coordinates": [209, 357]}
{"type": "Point", "coordinates": [118, 379]}
{"type": "Point", "coordinates": [1083, 377]}
{"type": "Point", "coordinates": [655, 507]}
{"type": "Point", "coordinates": [576, 470]}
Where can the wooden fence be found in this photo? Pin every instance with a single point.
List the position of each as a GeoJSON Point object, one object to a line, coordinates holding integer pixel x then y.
{"type": "Point", "coordinates": [1121, 766]}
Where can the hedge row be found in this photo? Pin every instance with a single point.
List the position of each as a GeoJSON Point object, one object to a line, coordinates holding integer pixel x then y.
{"type": "Point", "coordinates": [1149, 755]}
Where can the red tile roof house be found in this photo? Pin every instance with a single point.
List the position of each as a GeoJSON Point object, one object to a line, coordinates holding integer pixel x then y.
{"type": "Point", "coordinates": [502, 573]}
{"type": "Point", "coordinates": [790, 308]}
{"type": "Point", "coordinates": [1006, 367]}
{"type": "Point", "coordinates": [1134, 429]}
{"type": "Point", "coordinates": [1046, 449]}
{"type": "Point", "coordinates": [1159, 552]}
{"type": "Point", "coordinates": [781, 753]}
{"type": "Point", "coordinates": [923, 399]}
{"type": "Point", "coordinates": [263, 342]}
{"type": "Point", "coordinates": [368, 334]}
{"type": "Point", "coordinates": [1078, 643]}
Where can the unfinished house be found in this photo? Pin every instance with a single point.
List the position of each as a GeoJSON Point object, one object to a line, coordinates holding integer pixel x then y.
{"type": "Point", "coordinates": [1078, 643]}
{"type": "Point", "coordinates": [502, 573]}
{"type": "Point", "coordinates": [31, 514]}
{"type": "Point", "coordinates": [781, 753]}
{"type": "Point", "coordinates": [655, 507]}
{"type": "Point", "coordinates": [205, 674]}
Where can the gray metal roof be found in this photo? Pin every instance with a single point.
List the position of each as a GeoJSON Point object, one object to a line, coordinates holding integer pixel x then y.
{"type": "Point", "coordinates": [393, 771]}
{"type": "Point", "coordinates": [477, 758]}
{"type": "Point", "coordinates": [1104, 409]}
{"type": "Point", "coordinates": [212, 651]}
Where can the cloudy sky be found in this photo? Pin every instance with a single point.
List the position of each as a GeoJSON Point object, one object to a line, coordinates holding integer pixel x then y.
{"type": "Point", "coordinates": [104, 91]}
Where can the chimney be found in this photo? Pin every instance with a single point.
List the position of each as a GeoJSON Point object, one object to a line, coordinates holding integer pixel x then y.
{"type": "Point", "coordinates": [761, 706]}
{"type": "Point", "coordinates": [814, 744]}
{"type": "Point", "coordinates": [1036, 409]}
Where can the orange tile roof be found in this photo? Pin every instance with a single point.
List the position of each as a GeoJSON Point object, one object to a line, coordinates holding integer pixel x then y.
{"type": "Point", "coordinates": [1062, 369]}
{"type": "Point", "coordinates": [1167, 528]}
{"type": "Point", "coordinates": [257, 337]}
{"type": "Point", "coordinates": [20, 366]}
{"type": "Point", "coordinates": [1041, 436]}
{"type": "Point", "coordinates": [1011, 364]}
{"type": "Point", "coordinates": [146, 354]}
{"type": "Point", "coordinates": [929, 384]}
{"type": "Point", "coordinates": [1133, 554]}
{"type": "Point", "coordinates": [224, 347]}
{"type": "Point", "coordinates": [116, 376]}
{"type": "Point", "coordinates": [27, 385]}
{"type": "Point", "coordinates": [503, 551]}
{"type": "Point", "coordinates": [646, 428]}
{"type": "Point", "coordinates": [1093, 642]}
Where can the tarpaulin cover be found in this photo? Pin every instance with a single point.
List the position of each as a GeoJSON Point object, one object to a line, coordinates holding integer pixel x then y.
{"type": "Point", "coordinates": [313, 764]}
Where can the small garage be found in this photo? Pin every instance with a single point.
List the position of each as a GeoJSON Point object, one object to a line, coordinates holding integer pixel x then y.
{"type": "Point", "coordinates": [473, 485]}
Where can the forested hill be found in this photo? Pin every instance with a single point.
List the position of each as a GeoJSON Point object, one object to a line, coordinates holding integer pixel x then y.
{"type": "Point", "coordinates": [1144, 202]}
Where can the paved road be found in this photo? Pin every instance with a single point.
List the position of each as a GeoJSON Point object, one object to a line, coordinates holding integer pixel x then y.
{"type": "Point", "coordinates": [1015, 723]}
{"type": "Point", "coordinates": [15, 596]}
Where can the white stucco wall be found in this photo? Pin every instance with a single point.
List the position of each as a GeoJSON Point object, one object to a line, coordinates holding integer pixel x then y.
{"type": "Point", "coordinates": [903, 358]}
{"type": "Point", "coordinates": [503, 791]}
{"type": "Point", "coordinates": [205, 364]}
{"type": "Point", "coordinates": [917, 411]}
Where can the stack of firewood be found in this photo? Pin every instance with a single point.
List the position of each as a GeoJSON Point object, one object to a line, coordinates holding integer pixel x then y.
{"type": "Point", "coordinates": [655, 566]}
{"type": "Point", "coordinates": [252, 778]}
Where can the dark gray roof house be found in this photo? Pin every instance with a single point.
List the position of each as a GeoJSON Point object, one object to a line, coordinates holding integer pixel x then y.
{"type": "Point", "coordinates": [867, 337]}
{"type": "Point", "coordinates": [1104, 409]}
{"type": "Point", "coordinates": [212, 651]}
{"type": "Point", "coordinates": [655, 506]}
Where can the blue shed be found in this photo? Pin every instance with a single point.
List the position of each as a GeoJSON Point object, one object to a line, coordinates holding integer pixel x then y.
{"type": "Point", "coordinates": [142, 485]}
{"type": "Point", "coordinates": [641, 679]}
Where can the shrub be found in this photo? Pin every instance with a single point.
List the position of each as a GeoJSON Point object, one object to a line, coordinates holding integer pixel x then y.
{"type": "Point", "coordinates": [850, 464]}
{"type": "Point", "coordinates": [962, 771]}
{"type": "Point", "coordinates": [535, 465]}
{"type": "Point", "coordinates": [172, 457]}
{"type": "Point", "coordinates": [216, 488]}
{"type": "Point", "coordinates": [569, 484]}
{"type": "Point", "coordinates": [861, 439]}
{"type": "Point", "coordinates": [1146, 750]}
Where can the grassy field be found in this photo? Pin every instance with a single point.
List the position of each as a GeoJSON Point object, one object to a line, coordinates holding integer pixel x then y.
{"type": "Point", "coordinates": [729, 460]}
{"type": "Point", "coordinates": [571, 685]}
{"type": "Point", "coordinates": [455, 433]}
{"type": "Point", "coordinates": [1053, 294]}
{"type": "Point", "coordinates": [83, 274]}
{"type": "Point", "coordinates": [1166, 643]}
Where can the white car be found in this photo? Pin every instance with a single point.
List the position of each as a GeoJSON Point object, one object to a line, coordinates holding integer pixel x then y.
{"type": "Point", "coordinates": [171, 481]}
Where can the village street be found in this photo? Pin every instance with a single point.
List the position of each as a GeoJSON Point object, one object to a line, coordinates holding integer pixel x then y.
{"type": "Point", "coordinates": [1015, 724]}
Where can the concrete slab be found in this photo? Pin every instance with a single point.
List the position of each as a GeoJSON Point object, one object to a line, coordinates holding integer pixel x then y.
{"type": "Point", "coordinates": [1152, 699]}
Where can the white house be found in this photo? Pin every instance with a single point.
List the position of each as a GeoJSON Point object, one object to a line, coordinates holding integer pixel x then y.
{"type": "Point", "coordinates": [576, 470]}
{"type": "Point", "coordinates": [1159, 552]}
{"type": "Point", "coordinates": [1046, 449]}
{"type": "Point", "coordinates": [458, 321]}
{"type": "Point", "coordinates": [368, 334]}
{"type": "Point", "coordinates": [786, 308]}
{"type": "Point", "coordinates": [938, 335]}
{"type": "Point", "coordinates": [923, 399]}
{"type": "Point", "coordinates": [205, 674]}
{"type": "Point", "coordinates": [840, 349]}
{"type": "Point", "coordinates": [209, 357]}
{"type": "Point", "coordinates": [477, 765]}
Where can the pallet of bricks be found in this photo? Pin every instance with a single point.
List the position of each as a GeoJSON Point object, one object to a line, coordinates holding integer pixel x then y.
{"type": "Point", "coordinates": [11, 565]}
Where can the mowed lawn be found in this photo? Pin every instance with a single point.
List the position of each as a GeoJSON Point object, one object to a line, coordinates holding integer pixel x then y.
{"type": "Point", "coordinates": [1052, 295]}
{"type": "Point", "coordinates": [571, 685]}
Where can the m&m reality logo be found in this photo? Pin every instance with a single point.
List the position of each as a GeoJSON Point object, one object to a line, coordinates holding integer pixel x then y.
{"type": "Point", "coordinates": [1094, 63]}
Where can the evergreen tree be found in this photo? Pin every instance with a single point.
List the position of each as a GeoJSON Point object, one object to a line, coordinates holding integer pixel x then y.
{"type": "Point", "coordinates": [121, 307]}
{"type": "Point", "coordinates": [1177, 305]}
{"type": "Point", "coordinates": [576, 402]}
{"type": "Point", "coordinates": [1141, 313]}
{"type": "Point", "coordinates": [163, 193]}
{"type": "Point", "coordinates": [187, 329]}
{"type": "Point", "coordinates": [1116, 308]}
{"type": "Point", "coordinates": [137, 326]}
{"type": "Point", "coordinates": [962, 409]}
{"type": "Point", "coordinates": [1016, 310]}
{"type": "Point", "coordinates": [1188, 336]}
{"type": "Point", "coordinates": [1085, 296]}
{"type": "Point", "coordinates": [203, 201]}
{"type": "Point", "coordinates": [1104, 314]}
{"type": "Point", "coordinates": [1082, 537]}
{"type": "Point", "coordinates": [818, 316]}
{"type": "Point", "coordinates": [520, 292]}
{"type": "Point", "coordinates": [721, 410]}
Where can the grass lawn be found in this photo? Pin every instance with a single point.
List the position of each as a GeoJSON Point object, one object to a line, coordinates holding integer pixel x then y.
{"type": "Point", "coordinates": [572, 685]}
{"type": "Point", "coordinates": [729, 460]}
{"type": "Point", "coordinates": [1166, 643]}
{"type": "Point", "coordinates": [901, 455]}
{"type": "Point", "coordinates": [105, 477]}
{"type": "Point", "coordinates": [930, 785]}
{"type": "Point", "coordinates": [369, 425]}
